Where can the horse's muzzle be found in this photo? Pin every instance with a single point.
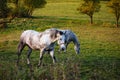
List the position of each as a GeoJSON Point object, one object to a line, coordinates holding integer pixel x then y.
{"type": "Point", "coordinates": [62, 49]}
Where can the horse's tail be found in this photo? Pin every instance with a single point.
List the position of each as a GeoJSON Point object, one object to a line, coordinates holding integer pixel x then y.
{"type": "Point", "coordinates": [20, 47]}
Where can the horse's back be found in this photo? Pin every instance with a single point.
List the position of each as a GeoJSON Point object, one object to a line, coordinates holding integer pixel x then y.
{"type": "Point", "coordinates": [69, 34]}
{"type": "Point", "coordinates": [26, 35]}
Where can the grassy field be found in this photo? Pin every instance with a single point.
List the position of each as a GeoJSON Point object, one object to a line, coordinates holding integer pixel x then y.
{"type": "Point", "coordinates": [100, 46]}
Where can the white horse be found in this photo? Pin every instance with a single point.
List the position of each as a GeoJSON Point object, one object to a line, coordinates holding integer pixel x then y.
{"type": "Point", "coordinates": [43, 41]}
{"type": "Point", "coordinates": [69, 37]}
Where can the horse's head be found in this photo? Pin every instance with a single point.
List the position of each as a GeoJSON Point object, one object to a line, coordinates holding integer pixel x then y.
{"type": "Point", "coordinates": [61, 41]}
{"type": "Point", "coordinates": [58, 36]}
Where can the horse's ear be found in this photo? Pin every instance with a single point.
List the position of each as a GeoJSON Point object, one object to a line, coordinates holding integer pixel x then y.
{"type": "Point", "coordinates": [55, 33]}
{"type": "Point", "coordinates": [61, 33]}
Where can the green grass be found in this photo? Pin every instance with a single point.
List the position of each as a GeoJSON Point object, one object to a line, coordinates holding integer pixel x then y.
{"type": "Point", "coordinates": [100, 46]}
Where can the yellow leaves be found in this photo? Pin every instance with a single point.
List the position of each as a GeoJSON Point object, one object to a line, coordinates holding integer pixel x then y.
{"type": "Point", "coordinates": [89, 7]}
{"type": "Point", "coordinates": [115, 6]}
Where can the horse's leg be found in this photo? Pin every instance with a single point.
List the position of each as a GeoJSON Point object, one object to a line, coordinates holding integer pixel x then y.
{"type": "Point", "coordinates": [52, 55]}
{"type": "Point", "coordinates": [66, 45]}
{"type": "Point", "coordinates": [77, 48]}
{"type": "Point", "coordinates": [28, 55]}
{"type": "Point", "coordinates": [41, 57]}
{"type": "Point", "coordinates": [20, 48]}
{"type": "Point", "coordinates": [76, 45]}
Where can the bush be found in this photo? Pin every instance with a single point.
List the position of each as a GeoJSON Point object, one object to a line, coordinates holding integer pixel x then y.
{"type": "Point", "coordinates": [25, 8]}
{"type": "Point", "coordinates": [23, 12]}
{"type": "Point", "coordinates": [3, 8]}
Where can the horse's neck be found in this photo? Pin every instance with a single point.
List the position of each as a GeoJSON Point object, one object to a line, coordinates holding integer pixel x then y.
{"type": "Point", "coordinates": [76, 42]}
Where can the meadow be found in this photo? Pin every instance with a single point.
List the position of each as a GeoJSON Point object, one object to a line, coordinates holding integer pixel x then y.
{"type": "Point", "coordinates": [99, 43]}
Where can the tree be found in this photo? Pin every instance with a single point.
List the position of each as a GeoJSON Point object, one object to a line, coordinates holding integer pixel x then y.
{"type": "Point", "coordinates": [3, 8]}
{"type": "Point", "coordinates": [4, 14]}
{"type": "Point", "coordinates": [25, 8]}
{"type": "Point", "coordinates": [89, 7]}
{"type": "Point", "coordinates": [115, 9]}
{"type": "Point", "coordinates": [33, 4]}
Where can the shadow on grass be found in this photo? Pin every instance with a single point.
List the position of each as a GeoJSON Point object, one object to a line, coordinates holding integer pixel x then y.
{"type": "Point", "coordinates": [70, 67]}
{"type": "Point", "coordinates": [86, 66]}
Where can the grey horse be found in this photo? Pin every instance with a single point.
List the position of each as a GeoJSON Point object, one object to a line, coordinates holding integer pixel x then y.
{"type": "Point", "coordinates": [43, 41]}
{"type": "Point", "coordinates": [69, 37]}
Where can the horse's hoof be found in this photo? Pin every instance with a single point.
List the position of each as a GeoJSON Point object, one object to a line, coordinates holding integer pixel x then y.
{"type": "Point", "coordinates": [29, 65]}
{"type": "Point", "coordinates": [59, 51]}
{"type": "Point", "coordinates": [38, 65]}
{"type": "Point", "coordinates": [17, 62]}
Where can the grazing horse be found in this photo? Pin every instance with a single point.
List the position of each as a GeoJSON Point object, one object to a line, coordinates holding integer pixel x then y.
{"type": "Point", "coordinates": [69, 37]}
{"type": "Point", "coordinates": [43, 41]}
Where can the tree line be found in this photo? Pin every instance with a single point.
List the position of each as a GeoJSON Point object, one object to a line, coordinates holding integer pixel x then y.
{"type": "Point", "coordinates": [89, 7]}
{"type": "Point", "coordinates": [17, 8]}
{"type": "Point", "coordinates": [24, 8]}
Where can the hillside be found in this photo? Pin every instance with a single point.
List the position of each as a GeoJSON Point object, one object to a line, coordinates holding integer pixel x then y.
{"type": "Point", "coordinates": [99, 45]}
